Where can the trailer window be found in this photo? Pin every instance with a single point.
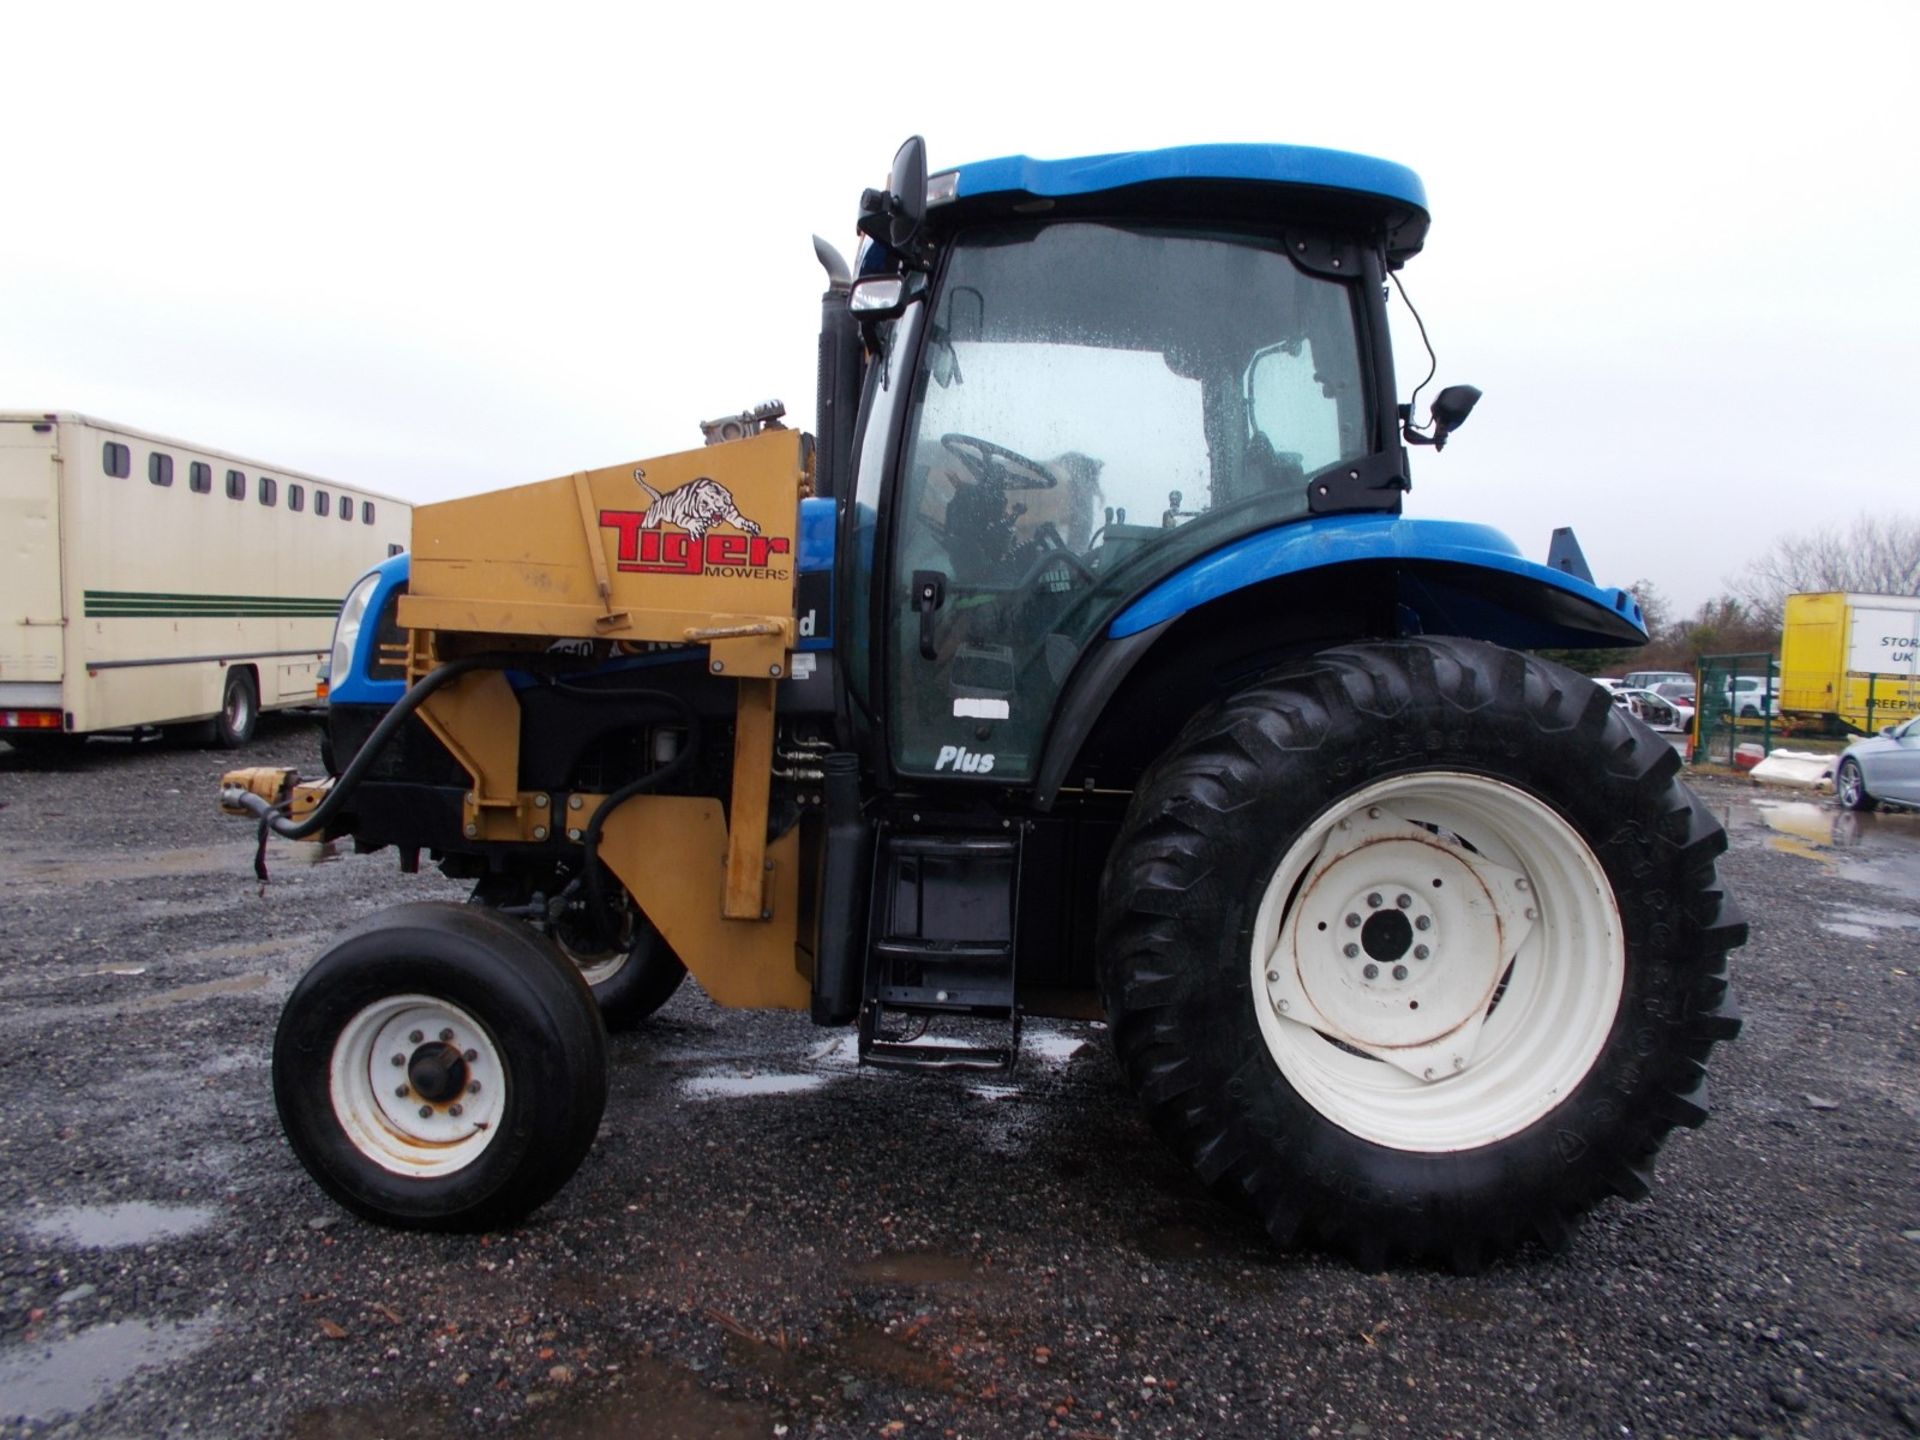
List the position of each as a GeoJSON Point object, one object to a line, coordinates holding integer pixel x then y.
{"type": "Point", "coordinates": [296, 497]}
{"type": "Point", "coordinates": [236, 485]}
{"type": "Point", "coordinates": [159, 468]}
{"type": "Point", "coordinates": [322, 502]}
{"type": "Point", "coordinates": [200, 477]}
{"type": "Point", "coordinates": [366, 512]}
{"type": "Point", "coordinates": [269, 490]}
{"type": "Point", "coordinates": [346, 508]}
{"type": "Point", "coordinates": [117, 459]}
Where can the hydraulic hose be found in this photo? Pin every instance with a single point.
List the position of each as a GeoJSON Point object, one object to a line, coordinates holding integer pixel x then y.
{"type": "Point", "coordinates": [271, 816]}
{"type": "Point", "coordinates": [590, 837]}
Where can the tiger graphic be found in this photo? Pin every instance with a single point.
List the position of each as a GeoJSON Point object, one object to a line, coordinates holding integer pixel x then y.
{"type": "Point", "coordinates": [695, 507]}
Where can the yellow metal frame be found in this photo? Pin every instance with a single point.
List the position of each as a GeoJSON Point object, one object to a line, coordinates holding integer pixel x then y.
{"type": "Point", "coordinates": [586, 555]}
{"type": "Point", "coordinates": [583, 556]}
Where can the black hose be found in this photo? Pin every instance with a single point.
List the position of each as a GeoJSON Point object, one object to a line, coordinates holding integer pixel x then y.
{"type": "Point", "coordinates": [597, 916]}
{"type": "Point", "coordinates": [273, 820]}
{"type": "Point", "coordinates": [272, 816]}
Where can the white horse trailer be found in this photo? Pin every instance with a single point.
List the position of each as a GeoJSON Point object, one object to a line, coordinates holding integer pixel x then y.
{"type": "Point", "coordinates": [145, 581]}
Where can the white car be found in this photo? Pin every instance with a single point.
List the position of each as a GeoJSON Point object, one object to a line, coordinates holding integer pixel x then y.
{"type": "Point", "coordinates": [1750, 696]}
{"type": "Point", "coordinates": [1884, 767]}
{"type": "Point", "coordinates": [1679, 694]}
{"type": "Point", "coordinates": [1658, 679]}
{"type": "Point", "coordinates": [1656, 710]}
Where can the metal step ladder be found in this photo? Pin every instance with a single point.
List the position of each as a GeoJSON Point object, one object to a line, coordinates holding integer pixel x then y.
{"type": "Point", "coordinates": [945, 916]}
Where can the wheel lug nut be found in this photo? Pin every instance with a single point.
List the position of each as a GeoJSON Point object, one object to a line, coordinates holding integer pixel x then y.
{"type": "Point", "coordinates": [1273, 977]}
{"type": "Point", "coordinates": [1532, 914]}
{"type": "Point", "coordinates": [416, 1037]}
{"type": "Point", "coordinates": [399, 1092]}
{"type": "Point", "coordinates": [1420, 952]}
{"type": "Point", "coordinates": [473, 1087]}
{"type": "Point", "coordinates": [1425, 922]}
{"type": "Point", "coordinates": [1373, 901]}
{"type": "Point", "coordinates": [1522, 884]}
{"type": "Point", "coordinates": [399, 1060]}
{"type": "Point", "coordinates": [1371, 972]}
{"type": "Point", "coordinates": [1352, 952]}
{"type": "Point", "coordinates": [1403, 901]}
{"type": "Point", "coordinates": [456, 1110]}
{"type": "Point", "coordinates": [446, 1035]}
{"type": "Point", "coordinates": [426, 1112]}
{"type": "Point", "coordinates": [472, 1055]}
{"type": "Point", "coordinates": [1399, 972]}
{"type": "Point", "coordinates": [1353, 922]}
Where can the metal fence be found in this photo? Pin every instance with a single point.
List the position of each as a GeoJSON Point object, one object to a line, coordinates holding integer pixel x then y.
{"type": "Point", "coordinates": [1737, 702]}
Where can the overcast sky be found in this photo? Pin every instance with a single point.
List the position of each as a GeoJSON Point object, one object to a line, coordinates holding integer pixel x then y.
{"type": "Point", "coordinates": [438, 249]}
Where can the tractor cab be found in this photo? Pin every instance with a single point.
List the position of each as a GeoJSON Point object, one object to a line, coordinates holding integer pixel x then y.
{"type": "Point", "coordinates": [1085, 375]}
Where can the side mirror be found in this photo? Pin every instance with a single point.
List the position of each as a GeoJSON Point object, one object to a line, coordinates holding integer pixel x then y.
{"type": "Point", "coordinates": [878, 297]}
{"type": "Point", "coordinates": [894, 216]}
{"type": "Point", "coordinates": [1451, 408]}
{"type": "Point", "coordinates": [1449, 412]}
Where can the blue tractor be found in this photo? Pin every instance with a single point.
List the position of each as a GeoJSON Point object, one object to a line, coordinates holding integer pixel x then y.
{"type": "Point", "coordinates": [1105, 678]}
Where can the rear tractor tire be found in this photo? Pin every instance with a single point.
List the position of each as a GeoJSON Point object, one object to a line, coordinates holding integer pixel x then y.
{"type": "Point", "coordinates": [441, 1068]}
{"type": "Point", "coordinates": [1417, 949]}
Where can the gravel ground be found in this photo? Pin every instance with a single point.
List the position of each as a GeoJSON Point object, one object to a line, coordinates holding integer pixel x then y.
{"type": "Point", "coordinates": [768, 1241]}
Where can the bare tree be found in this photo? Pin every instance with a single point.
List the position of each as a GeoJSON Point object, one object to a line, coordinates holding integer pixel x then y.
{"type": "Point", "coordinates": [1876, 554]}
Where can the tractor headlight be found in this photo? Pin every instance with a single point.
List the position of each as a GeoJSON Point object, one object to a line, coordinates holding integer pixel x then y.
{"type": "Point", "coordinates": [346, 630]}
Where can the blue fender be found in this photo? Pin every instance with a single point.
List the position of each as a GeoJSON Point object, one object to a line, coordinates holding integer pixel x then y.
{"type": "Point", "coordinates": [1453, 578]}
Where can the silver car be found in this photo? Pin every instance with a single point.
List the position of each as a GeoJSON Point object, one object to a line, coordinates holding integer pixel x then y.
{"type": "Point", "coordinates": [1885, 767]}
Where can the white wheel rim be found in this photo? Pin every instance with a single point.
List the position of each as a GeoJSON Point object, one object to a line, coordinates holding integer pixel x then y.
{"type": "Point", "coordinates": [428, 1114]}
{"type": "Point", "coordinates": [597, 967]}
{"type": "Point", "coordinates": [1849, 784]}
{"type": "Point", "coordinates": [1503, 1016]}
{"type": "Point", "coordinates": [238, 708]}
{"type": "Point", "coordinates": [598, 972]}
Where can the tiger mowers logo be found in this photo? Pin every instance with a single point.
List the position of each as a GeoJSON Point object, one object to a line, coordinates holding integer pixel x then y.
{"type": "Point", "coordinates": [694, 546]}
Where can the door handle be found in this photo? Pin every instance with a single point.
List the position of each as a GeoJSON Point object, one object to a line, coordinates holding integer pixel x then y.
{"type": "Point", "coordinates": [929, 593]}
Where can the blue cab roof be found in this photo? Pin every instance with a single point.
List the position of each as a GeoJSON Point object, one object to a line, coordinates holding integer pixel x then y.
{"type": "Point", "coordinates": [1394, 190]}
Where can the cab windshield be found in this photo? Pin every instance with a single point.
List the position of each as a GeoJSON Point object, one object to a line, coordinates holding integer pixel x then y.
{"type": "Point", "coordinates": [1086, 395]}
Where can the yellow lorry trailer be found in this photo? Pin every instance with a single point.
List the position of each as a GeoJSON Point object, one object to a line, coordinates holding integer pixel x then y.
{"type": "Point", "coordinates": [1848, 661]}
{"type": "Point", "coordinates": [1084, 664]}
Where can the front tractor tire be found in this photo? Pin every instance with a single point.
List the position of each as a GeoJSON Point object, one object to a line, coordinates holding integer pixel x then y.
{"type": "Point", "coordinates": [1417, 948]}
{"type": "Point", "coordinates": [441, 1068]}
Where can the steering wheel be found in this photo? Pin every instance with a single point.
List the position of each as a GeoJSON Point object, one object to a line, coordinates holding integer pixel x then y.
{"type": "Point", "coordinates": [986, 461]}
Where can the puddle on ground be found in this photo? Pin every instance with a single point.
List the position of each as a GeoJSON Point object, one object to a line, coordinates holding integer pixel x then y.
{"type": "Point", "coordinates": [1857, 924]}
{"type": "Point", "coordinates": [41, 1380]}
{"type": "Point", "coordinates": [863, 1347]}
{"type": "Point", "coordinates": [1050, 1047]}
{"type": "Point", "coordinates": [650, 1398]}
{"type": "Point", "coordinates": [133, 865]}
{"type": "Point", "coordinates": [735, 1086]}
{"type": "Point", "coordinates": [208, 990]}
{"type": "Point", "coordinates": [133, 1222]}
{"type": "Point", "coordinates": [1878, 850]}
{"type": "Point", "coordinates": [253, 949]}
